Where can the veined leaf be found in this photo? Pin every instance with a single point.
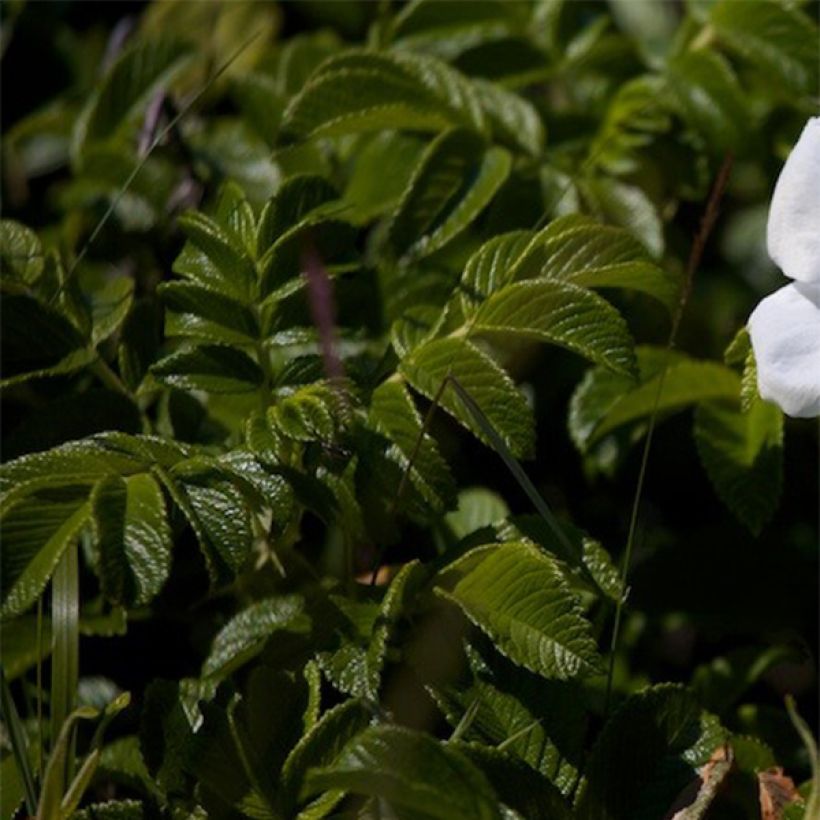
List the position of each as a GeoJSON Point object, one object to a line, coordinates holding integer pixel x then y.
{"type": "Point", "coordinates": [393, 413]}
{"type": "Point", "coordinates": [518, 787]}
{"type": "Point", "coordinates": [743, 456]}
{"type": "Point", "coordinates": [200, 313]}
{"type": "Point", "coordinates": [313, 412]}
{"type": "Point", "coordinates": [140, 70]}
{"type": "Point", "coordinates": [37, 529]}
{"type": "Point", "coordinates": [363, 91]}
{"type": "Point", "coordinates": [709, 98]}
{"type": "Point", "coordinates": [647, 753]}
{"type": "Point", "coordinates": [685, 382]}
{"type": "Point", "coordinates": [320, 746]}
{"type": "Point", "coordinates": [217, 512]}
{"type": "Point", "coordinates": [109, 307]}
{"type": "Point", "coordinates": [540, 722]}
{"type": "Point", "coordinates": [235, 214]}
{"type": "Point", "coordinates": [778, 40]}
{"type": "Point", "coordinates": [430, 364]}
{"type": "Point", "coordinates": [214, 259]}
{"type": "Point", "coordinates": [212, 368]}
{"type": "Point", "coordinates": [413, 772]}
{"type": "Point", "coordinates": [454, 181]}
{"type": "Point", "coordinates": [513, 120]}
{"type": "Point", "coordinates": [244, 636]}
{"type": "Point", "coordinates": [491, 266]}
{"type": "Point", "coordinates": [519, 597]}
{"type": "Point", "coordinates": [560, 313]}
{"type": "Point", "coordinates": [37, 341]}
{"type": "Point", "coordinates": [21, 254]}
{"type": "Point", "coordinates": [296, 199]}
{"type": "Point", "coordinates": [133, 538]}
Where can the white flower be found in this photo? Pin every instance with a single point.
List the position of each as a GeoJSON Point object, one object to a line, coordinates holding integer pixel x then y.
{"type": "Point", "coordinates": [785, 327]}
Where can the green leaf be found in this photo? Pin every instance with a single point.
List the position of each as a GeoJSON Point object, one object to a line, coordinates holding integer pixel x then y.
{"type": "Point", "coordinates": [109, 307]}
{"type": "Point", "coordinates": [214, 259]}
{"type": "Point", "coordinates": [133, 538]}
{"type": "Point", "coordinates": [212, 368]}
{"type": "Point", "coordinates": [37, 530]}
{"type": "Point", "coordinates": [516, 784]}
{"type": "Point", "coordinates": [602, 405]}
{"type": "Point", "coordinates": [313, 412]}
{"type": "Point", "coordinates": [415, 774]}
{"type": "Point", "coordinates": [297, 198]}
{"type": "Point", "coordinates": [427, 366]}
{"type": "Point", "coordinates": [320, 746]}
{"type": "Point", "coordinates": [647, 753]}
{"type": "Point", "coordinates": [37, 341]}
{"type": "Point", "coordinates": [21, 254]}
{"type": "Point", "coordinates": [563, 314]}
{"type": "Point", "coordinates": [626, 205]}
{"type": "Point", "coordinates": [245, 635]}
{"type": "Point", "coordinates": [139, 71]}
{"type": "Point", "coordinates": [489, 268]}
{"type": "Point", "coordinates": [199, 313]}
{"type": "Point", "coordinates": [540, 722]}
{"type": "Point", "coordinates": [217, 512]}
{"type": "Point", "coordinates": [393, 413]}
{"type": "Point", "coordinates": [454, 181]}
{"type": "Point", "coordinates": [513, 120]}
{"type": "Point", "coordinates": [519, 597]}
{"type": "Point", "coordinates": [112, 810]}
{"type": "Point", "coordinates": [709, 98]}
{"type": "Point", "coordinates": [477, 508]}
{"type": "Point", "coordinates": [365, 91]}
{"type": "Point", "coordinates": [743, 457]}
{"type": "Point", "coordinates": [777, 40]}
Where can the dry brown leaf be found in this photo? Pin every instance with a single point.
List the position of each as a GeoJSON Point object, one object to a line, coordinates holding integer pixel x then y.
{"type": "Point", "coordinates": [777, 791]}
{"type": "Point", "coordinates": [693, 801]}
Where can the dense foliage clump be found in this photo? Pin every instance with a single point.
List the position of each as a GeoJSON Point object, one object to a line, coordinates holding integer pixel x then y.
{"type": "Point", "coordinates": [381, 433]}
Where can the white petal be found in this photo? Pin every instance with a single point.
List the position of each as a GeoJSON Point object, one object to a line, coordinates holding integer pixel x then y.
{"type": "Point", "coordinates": [785, 331]}
{"type": "Point", "coordinates": [793, 234]}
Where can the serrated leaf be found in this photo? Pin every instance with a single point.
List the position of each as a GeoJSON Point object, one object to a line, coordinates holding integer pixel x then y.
{"type": "Point", "coordinates": [217, 512]}
{"type": "Point", "coordinates": [540, 722]}
{"type": "Point", "coordinates": [21, 254]}
{"type": "Point", "coordinates": [517, 785]}
{"type": "Point", "coordinates": [37, 341]}
{"type": "Point", "coordinates": [456, 178]}
{"type": "Point", "coordinates": [742, 453]}
{"type": "Point", "coordinates": [685, 382]}
{"type": "Point", "coordinates": [199, 313]}
{"type": "Point", "coordinates": [626, 205]}
{"type": "Point", "coordinates": [132, 537]}
{"type": "Point", "coordinates": [393, 413]}
{"type": "Point", "coordinates": [413, 773]}
{"type": "Point", "coordinates": [320, 746]}
{"type": "Point", "coordinates": [647, 753]}
{"type": "Point", "coordinates": [488, 269]}
{"type": "Point", "coordinates": [709, 98]}
{"type": "Point", "coordinates": [514, 120]}
{"type": "Point", "coordinates": [313, 412]}
{"type": "Point", "coordinates": [141, 69]}
{"type": "Point", "coordinates": [364, 91]}
{"type": "Point", "coordinates": [37, 529]}
{"type": "Point", "coordinates": [245, 635]}
{"type": "Point", "coordinates": [563, 314]}
{"type": "Point", "coordinates": [778, 40]}
{"type": "Point", "coordinates": [215, 259]}
{"type": "Point", "coordinates": [519, 597]}
{"type": "Point", "coordinates": [212, 368]}
{"type": "Point", "coordinates": [427, 366]}
{"type": "Point", "coordinates": [109, 307]}
{"type": "Point", "coordinates": [296, 199]}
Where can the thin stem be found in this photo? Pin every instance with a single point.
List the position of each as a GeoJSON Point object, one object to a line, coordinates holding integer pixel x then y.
{"type": "Point", "coordinates": [65, 609]}
{"type": "Point", "coordinates": [695, 255]}
{"type": "Point", "coordinates": [39, 679]}
{"type": "Point", "coordinates": [141, 163]}
{"type": "Point", "coordinates": [19, 746]}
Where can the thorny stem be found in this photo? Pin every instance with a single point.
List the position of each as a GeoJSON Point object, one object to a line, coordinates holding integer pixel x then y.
{"type": "Point", "coordinates": [707, 224]}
